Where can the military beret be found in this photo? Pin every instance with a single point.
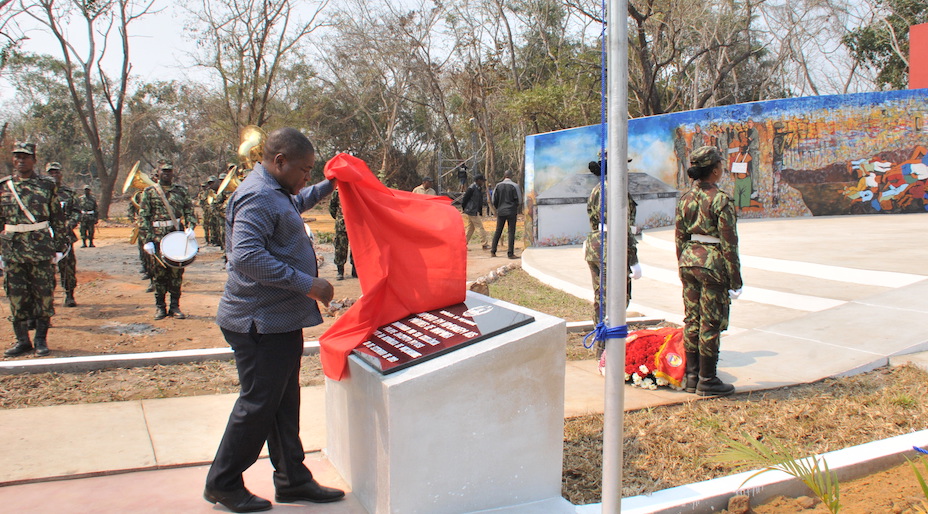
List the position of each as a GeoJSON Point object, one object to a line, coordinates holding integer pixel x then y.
{"type": "Point", "coordinates": [87, 186]}
{"type": "Point", "coordinates": [705, 156]}
{"type": "Point", "coordinates": [24, 147]}
{"type": "Point", "coordinates": [165, 164]}
{"type": "Point", "coordinates": [52, 166]}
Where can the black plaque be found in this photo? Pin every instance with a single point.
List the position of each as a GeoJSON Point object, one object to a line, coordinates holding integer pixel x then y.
{"type": "Point", "coordinates": [420, 337]}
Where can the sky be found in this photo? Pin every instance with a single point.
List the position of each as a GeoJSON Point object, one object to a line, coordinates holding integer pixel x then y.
{"type": "Point", "coordinates": [157, 47]}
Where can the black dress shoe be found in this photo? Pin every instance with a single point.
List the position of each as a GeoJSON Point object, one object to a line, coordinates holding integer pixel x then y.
{"type": "Point", "coordinates": [240, 500]}
{"type": "Point", "coordinates": [309, 492]}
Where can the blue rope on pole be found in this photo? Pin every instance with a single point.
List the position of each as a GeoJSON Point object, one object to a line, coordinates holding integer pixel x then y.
{"type": "Point", "coordinates": [602, 332]}
{"type": "Point", "coordinates": [916, 448]}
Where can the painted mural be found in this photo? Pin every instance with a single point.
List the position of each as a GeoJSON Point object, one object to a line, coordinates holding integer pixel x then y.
{"type": "Point", "coordinates": [812, 156]}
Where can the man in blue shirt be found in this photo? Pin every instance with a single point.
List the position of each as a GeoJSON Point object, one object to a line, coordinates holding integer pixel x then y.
{"type": "Point", "coordinates": [270, 295]}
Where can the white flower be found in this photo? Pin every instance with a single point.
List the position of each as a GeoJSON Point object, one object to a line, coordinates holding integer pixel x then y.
{"type": "Point", "coordinates": [627, 377]}
{"type": "Point", "coordinates": [648, 383]}
{"type": "Point", "coordinates": [661, 381]}
{"type": "Point", "coordinates": [643, 369]}
{"type": "Point", "coordinates": [636, 378]}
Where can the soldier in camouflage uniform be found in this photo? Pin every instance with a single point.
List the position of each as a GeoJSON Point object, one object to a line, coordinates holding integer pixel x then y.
{"type": "Point", "coordinates": [33, 239]}
{"type": "Point", "coordinates": [707, 252]}
{"type": "Point", "coordinates": [88, 207]}
{"type": "Point", "coordinates": [341, 238]}
{"type": "Point", "coordinates": [67, 267]}
{"type": "Point", "coordinates": [594, 255]}
{"type": "Point", "coordinates": [156, 223]}
{"type": "Point", "coordinates": [146, 260]}
{"type": "Point", "coordinates": [219, 213]}
{"type": "Point", "coordinates": [206, 192]}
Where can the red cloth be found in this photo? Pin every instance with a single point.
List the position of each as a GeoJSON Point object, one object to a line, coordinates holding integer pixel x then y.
{"type": "Point", "coordinates": [409, 251]}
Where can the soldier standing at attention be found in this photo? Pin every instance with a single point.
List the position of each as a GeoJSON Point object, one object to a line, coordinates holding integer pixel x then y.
{"type": "Point", "coordinates": [67, 267]}
{"type": "Point", "coordinates": [206, 192]}
{"type": "Point", "coordinates": [593, 249]}
{"type": "Point", "coordinates": [32, 239]}
{"type": "Point", "coordinates": [341, 238]}
{"type": "Point", "coordinates": [88, 207]}
{"type": "Point", "coordinates": [164, 208]}
{"type": "Point", "coordinates": [706, 238]}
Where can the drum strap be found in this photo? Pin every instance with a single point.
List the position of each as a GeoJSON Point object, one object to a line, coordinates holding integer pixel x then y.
{"type": "Point", "coordinates": [167, 205]}
{"type": "Point", "coordinates": [22, 206]}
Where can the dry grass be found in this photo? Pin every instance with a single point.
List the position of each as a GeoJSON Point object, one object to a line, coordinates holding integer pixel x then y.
{"type": "Point", "coordinates": [124, 384]}
{"type": "Point", "coordinates": [520, 288]}
{"type": "Point", "coordinates": [670, 446]}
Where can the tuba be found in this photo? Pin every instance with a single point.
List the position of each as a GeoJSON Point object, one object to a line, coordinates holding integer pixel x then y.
{"type": "Point", "coordinates": [137, 179]}
{"type": "Point", "coordinates": [251, 149]}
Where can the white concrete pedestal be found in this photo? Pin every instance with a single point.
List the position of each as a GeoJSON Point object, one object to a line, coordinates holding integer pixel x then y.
{"type": "Point", "coordinates": [479, 428]}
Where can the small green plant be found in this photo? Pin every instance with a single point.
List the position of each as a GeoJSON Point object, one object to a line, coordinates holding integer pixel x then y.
{"type": "Point", "coordinates": [326, 238]}
{"type": "Point", "coordinates": [903, 400]}
{"type": "Point", "coordinates": [812, 471]}
{"type": "Point", "coordinates": [921, 478]}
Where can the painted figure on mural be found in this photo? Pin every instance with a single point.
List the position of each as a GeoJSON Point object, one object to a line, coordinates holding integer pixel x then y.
{"type": "Point", "coordinates": [681, 152]}
{"type": "Point", "coordinates": [782, 139]}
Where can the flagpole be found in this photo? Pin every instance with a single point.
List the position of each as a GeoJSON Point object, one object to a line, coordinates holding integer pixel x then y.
{"type": "Point", "coordinates": [616, 265]}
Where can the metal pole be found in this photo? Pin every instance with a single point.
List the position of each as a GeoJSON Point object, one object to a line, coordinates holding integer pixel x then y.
{"type": "Point", "coordinates": [617, 239]}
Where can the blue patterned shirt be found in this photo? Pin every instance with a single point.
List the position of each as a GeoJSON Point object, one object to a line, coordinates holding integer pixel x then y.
{"type": "Point", "coordinates": [272, 263]}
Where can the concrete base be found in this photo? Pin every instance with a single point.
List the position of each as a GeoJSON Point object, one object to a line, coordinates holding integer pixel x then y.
{"type": "Point", "coordinates": [480, 428]}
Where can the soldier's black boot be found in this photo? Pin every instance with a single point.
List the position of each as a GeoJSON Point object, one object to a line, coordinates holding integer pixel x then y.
{"type": "Point", "coordinates": [341, 273]}
{"type": "Point", "coordinates": [354, 272]}
{"type": "Point", "coordinates": [23, 344]}
{"type": "Point", "coordinates": [175, 307]}
{"type": "Point", "coordinates": [91, 244]}
{"type": "Point", "coordinates": [83, 243]}
{"type": "Point", "coordinates": [161, 311]}
{"type": "Point", "coordinates": [69, 299]}
{"type": "Point", "coordinates": [41, 333]}
{"type": "Point", "coordinates": [709, 383]}
{"type": "Point", "coordinates": [692, 371]}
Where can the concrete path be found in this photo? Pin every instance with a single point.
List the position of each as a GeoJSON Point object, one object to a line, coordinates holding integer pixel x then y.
{"type": "Point", "coordinates": [823, 297]}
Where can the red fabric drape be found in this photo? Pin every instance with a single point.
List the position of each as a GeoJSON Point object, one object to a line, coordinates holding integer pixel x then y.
{"type": "Point", "coordinates": [409, 251]}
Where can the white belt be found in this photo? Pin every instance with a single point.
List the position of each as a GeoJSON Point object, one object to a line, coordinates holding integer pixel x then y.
{"type": "Point", "coordinates": [26, 227]}
{"type": "Point", "coordinates": [702, 238]}
{"type": "Point", "coordinates": [87, 212]}
{"type": "Point", "coordinates": [162, 224]}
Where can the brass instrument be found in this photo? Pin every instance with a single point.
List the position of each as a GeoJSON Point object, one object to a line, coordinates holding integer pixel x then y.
{"type": "Point", "coordinates": [251, 149]}
{"type": "Point", "coordinates": [137, 179]}
{"type": "Point", "coordinates": [230, 183]}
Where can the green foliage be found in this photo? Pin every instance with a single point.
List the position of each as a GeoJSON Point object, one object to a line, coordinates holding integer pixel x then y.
{"type": "Point", "coordinates": [921, 478]}
{"type": "Point", "coordinates": [812, 471]}
{"type": "Point", "coordinates": [879, 44]}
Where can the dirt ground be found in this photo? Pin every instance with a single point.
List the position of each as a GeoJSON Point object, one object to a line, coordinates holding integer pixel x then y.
{"type": "Point", "coordinates": [114, 314]}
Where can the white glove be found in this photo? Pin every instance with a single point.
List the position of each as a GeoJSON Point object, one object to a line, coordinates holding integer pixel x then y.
{"type": "Point", "coordinates": [2, 264]}
{"type": "Point", "coordinates": [735, 293]}
{"type": "Point", "coordinates": [149, 248]}
{"type": "Point", "coordinates": [635, 272]}
{"type": "Point", "coordinates": [57, 258]}
{"type": "Point", "coordinates": [191, 235]}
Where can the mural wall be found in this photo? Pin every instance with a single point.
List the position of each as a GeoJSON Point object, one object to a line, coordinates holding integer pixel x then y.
{"type": "Point", "coordinates": [813, 156]}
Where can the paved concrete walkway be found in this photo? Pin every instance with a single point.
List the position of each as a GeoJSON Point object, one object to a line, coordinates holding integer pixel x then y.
{"type": "Point", "coordinates": [823, 297]}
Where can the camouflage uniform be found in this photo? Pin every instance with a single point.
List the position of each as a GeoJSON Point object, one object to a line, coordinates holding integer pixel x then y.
{"type": "Point", "coordinates": [593, 253]}
{"type": "Point", "coordinates": [28, 247]}
{"type": "Point", "coordinates": [706, 240]}
{"type": "Point", "coordinates": [708, 270]}
{"type": "Point", "coordinates": [67, 267]}
{"type": "Point", "coordinates": [155, 223]}
{"type": "Point", "coordinates": [146, 260]}
{"type": "Point", "coordinates": [88, 207]}
{"type": "Point", "coordinates": [219, 218]}
{"type": "Point", "coordinates": [341, 238]}
{"type": "Point", "coordinates": [207, 221]}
